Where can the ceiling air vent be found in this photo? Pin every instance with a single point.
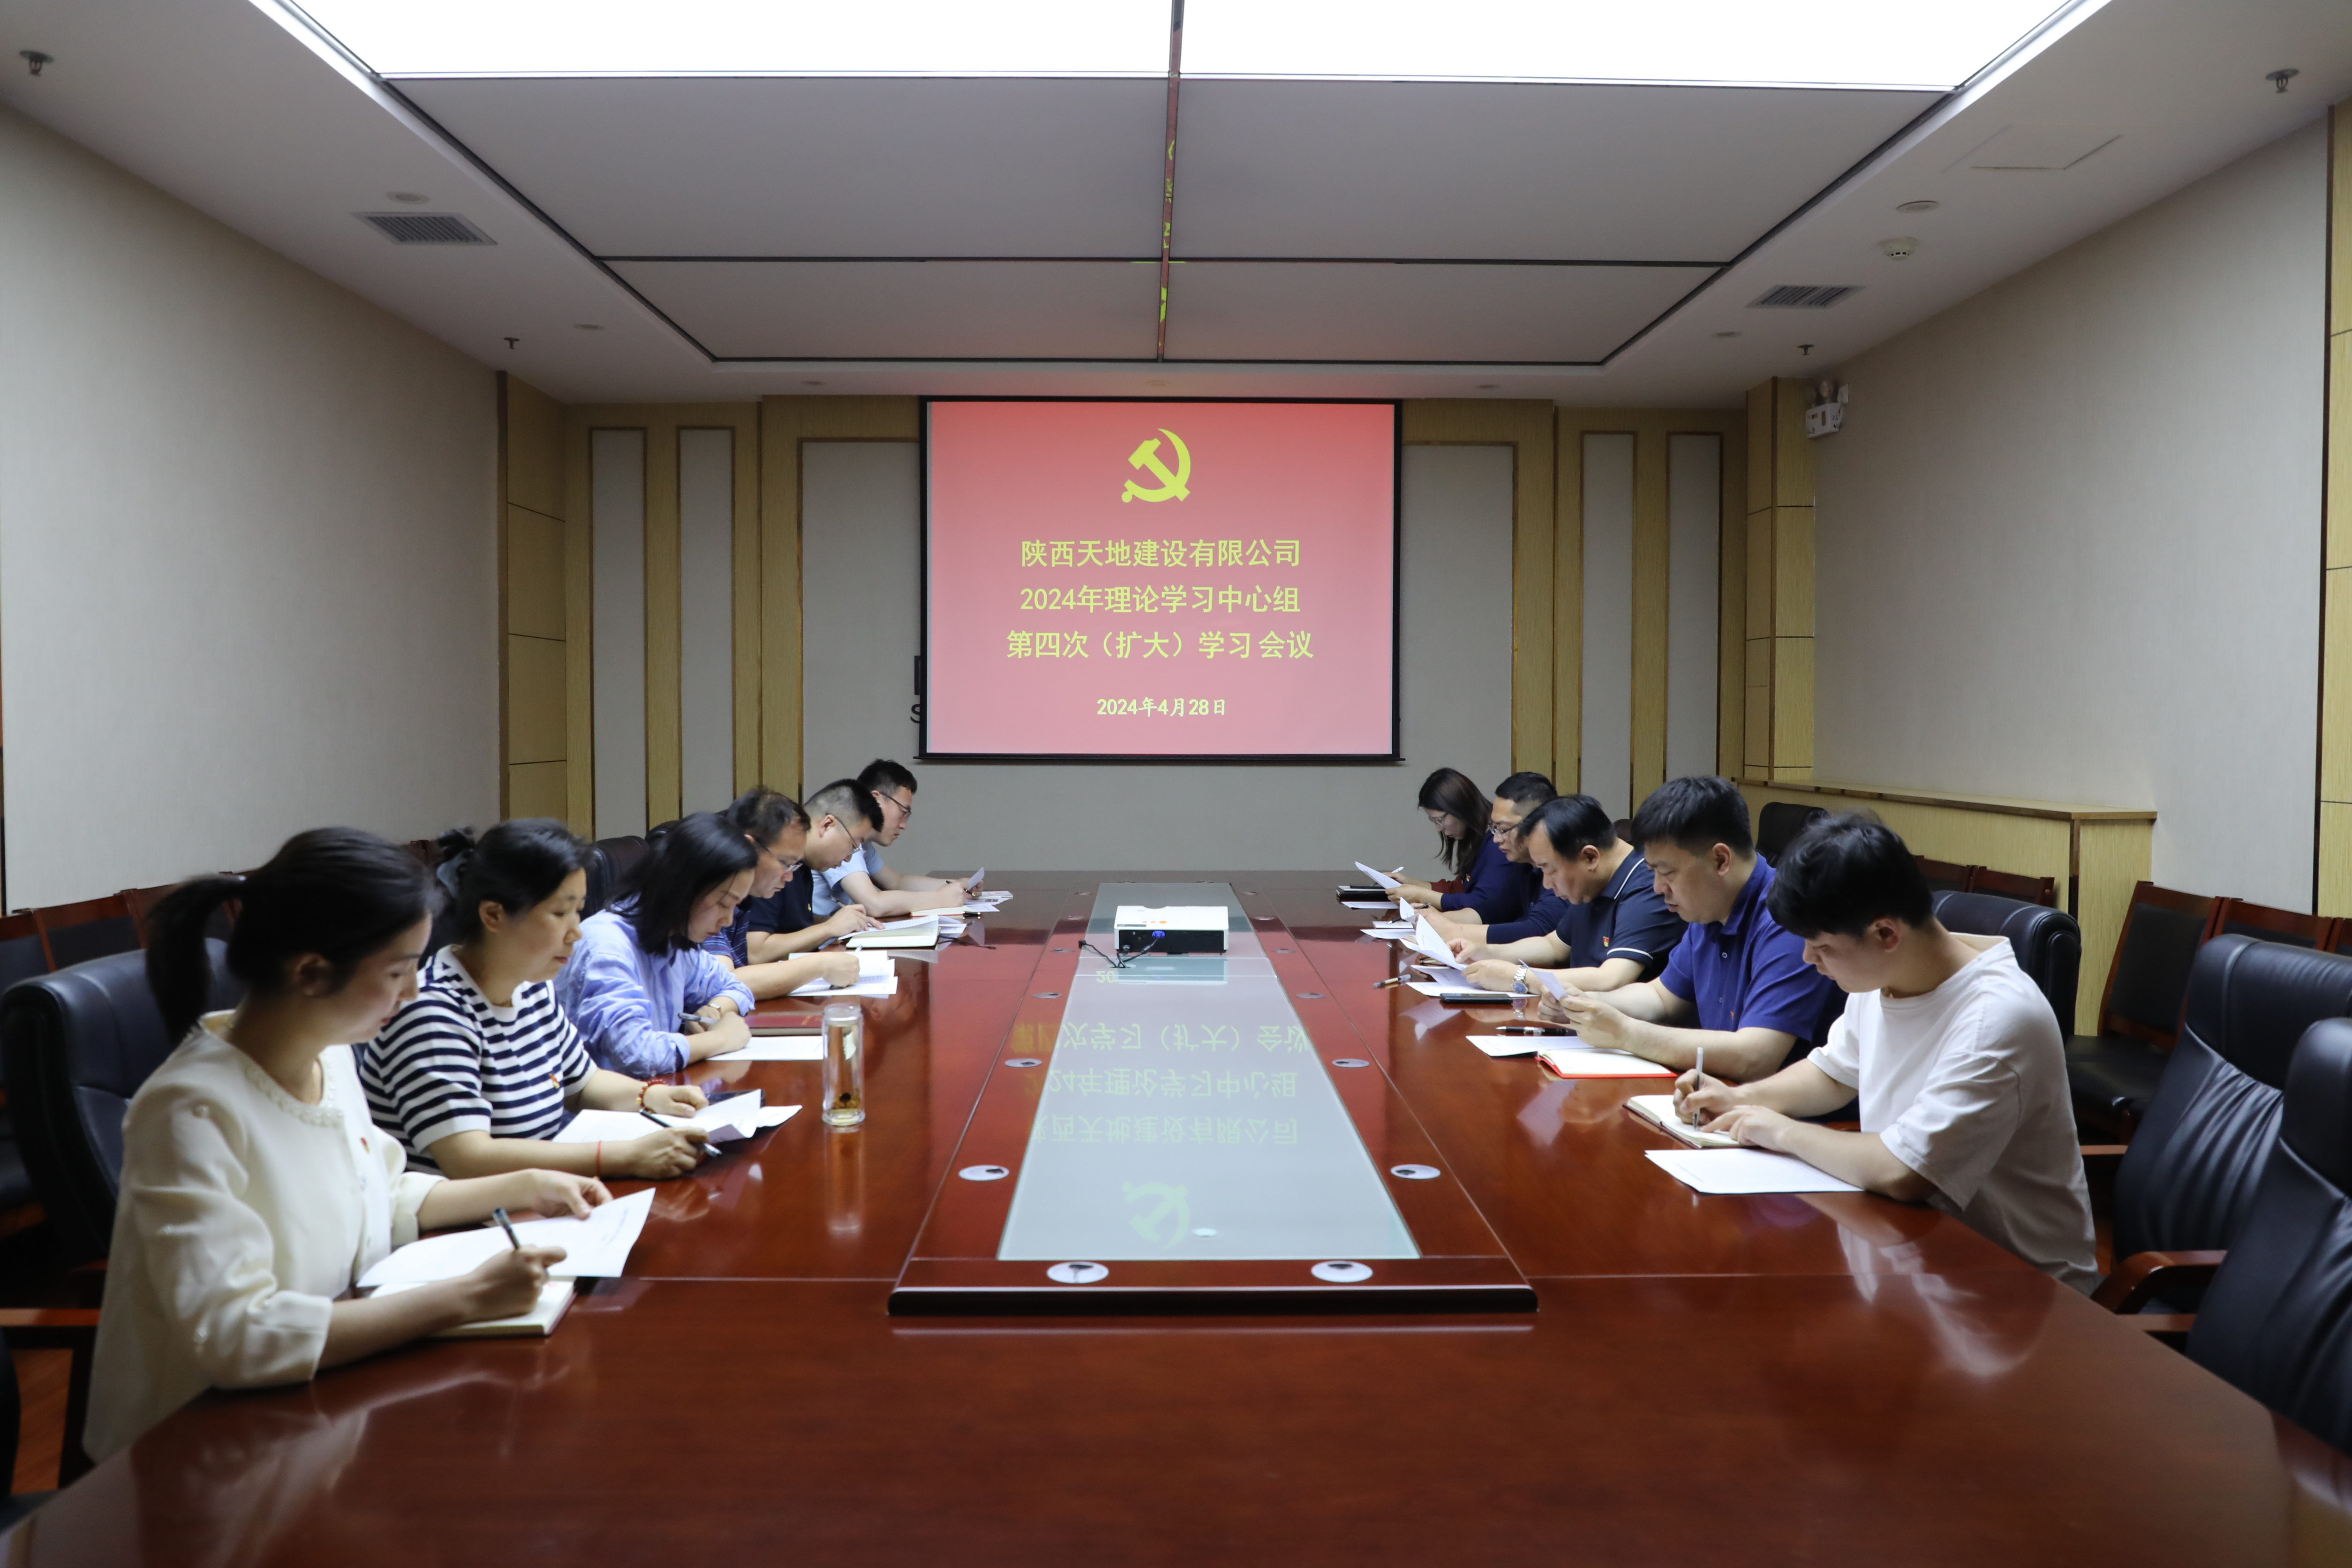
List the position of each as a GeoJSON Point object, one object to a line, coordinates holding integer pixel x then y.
{"type": "Point", "coordinates": [1802, 296]}
{"type": "Point", "coordinates": [425, 228]}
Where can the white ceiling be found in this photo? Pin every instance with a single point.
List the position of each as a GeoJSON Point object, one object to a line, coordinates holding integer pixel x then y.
{"type": "Point", "coordinates": [861, 182]}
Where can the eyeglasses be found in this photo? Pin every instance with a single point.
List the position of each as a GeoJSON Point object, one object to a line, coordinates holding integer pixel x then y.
{"type": "Point", "coordinates": [906, 807]}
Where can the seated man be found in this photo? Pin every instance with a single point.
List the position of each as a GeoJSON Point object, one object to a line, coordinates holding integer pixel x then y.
{"type": "Point", "coordinates": [862, 879]}
{"type": "Point", "coordinates": [1516, 799]}
{"type": "Point", "coordinates": [1953, 1051]}
{"type": "Point", "coordinates": [774, 825]}
{"type": "Point", "coordinates": [1613, 931]}
{"type": "Point", "coordinates": [1736, 983]}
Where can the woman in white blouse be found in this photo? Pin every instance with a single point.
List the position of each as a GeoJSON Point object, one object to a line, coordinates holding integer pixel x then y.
{"type": "Point", "coordinates": [255, 1189]}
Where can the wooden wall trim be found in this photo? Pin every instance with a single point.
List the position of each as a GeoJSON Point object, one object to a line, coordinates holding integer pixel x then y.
{"type": "Point", "coordinates": [1778, 739]}
{"type": "Point", "coordinates": [1650, 428]}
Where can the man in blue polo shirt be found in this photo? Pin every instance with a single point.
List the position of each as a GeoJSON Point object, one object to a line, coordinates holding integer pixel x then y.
{"type": "Point", "coordinates": [1736, 985]}
{"type": "Point", "coordinates": [1613, 929]}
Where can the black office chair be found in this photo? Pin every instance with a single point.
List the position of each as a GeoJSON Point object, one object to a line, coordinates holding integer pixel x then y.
{"type": "Point", "coordinates": [2114, 1074]}
{"type": "Point", "coordinates": [22, 956]}
{"type": "Point", "coordinates": [2277, 1321]}
{"type": "Point", "coordinates": [1777, 824]}
{"type": "Point", "coordinates": [75, 1047]}
{"type": "Point", "coordinates": [2187, 1181]}
{"type": "Point", "coordinates": [2048, 943]}
{"type": "Point", "coordinates": [620, 858]}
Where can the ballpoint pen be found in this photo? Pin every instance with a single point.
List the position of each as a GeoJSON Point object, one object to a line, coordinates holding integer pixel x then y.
{"type": "Point", "coordinates": [1698, 1077]}
{"type": "Point", "coordinates": [507, 1224]}
{"type": "Point", "coordinates": [1391, 980]}
{"type": "Point", "coordinates": [657, 1121]}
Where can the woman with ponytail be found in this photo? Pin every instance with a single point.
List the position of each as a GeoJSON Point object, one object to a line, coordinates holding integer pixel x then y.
{"type": "Point", "coordinates": [640, 986]}
{"type": "Point", "coordinates": [255, 1189]}
{"type": "Point", "coordinates": [482, 1068]}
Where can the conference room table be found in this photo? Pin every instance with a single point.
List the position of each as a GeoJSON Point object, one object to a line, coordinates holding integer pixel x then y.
{"type": "Point", "coordinates": [1823, 1378]}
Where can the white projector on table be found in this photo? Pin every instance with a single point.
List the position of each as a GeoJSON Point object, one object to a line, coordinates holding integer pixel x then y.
{"type": "Point", "coordinates": [1182, 929]}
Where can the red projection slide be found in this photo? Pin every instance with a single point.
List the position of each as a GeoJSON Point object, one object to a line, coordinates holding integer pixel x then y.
{"type": "Point", "coordinates": [1159, 579]}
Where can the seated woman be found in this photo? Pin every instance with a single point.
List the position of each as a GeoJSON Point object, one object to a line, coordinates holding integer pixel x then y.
{"type": "Point", "coordinates": [255, 1190]}
{"type": "Point", "coordinates": [482, 1066]}
{"type": "Point", "coordinates": [639, 976]}
{"type": "Point", "coordinates": [774, 825]}
{"type": "Point", "coordinates": [1491, 885]}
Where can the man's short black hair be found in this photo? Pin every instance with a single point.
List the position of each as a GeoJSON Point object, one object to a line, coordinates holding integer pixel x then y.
{"type": "Point", "coordinates": [1694, 815]}
{"type": "Point", "coordinates": [1569, 822]}
{"type": "Point", "coordinates": [847, 802]}
{"type": "Point", "coordinates": [1526, 790]}
{"type": "Point", "coordinates": [1844, 872]}
{"type": "Point", "coordinates": [884, 775]}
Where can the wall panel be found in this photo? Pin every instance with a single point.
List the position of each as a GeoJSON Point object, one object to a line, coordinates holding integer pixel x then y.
{"type": "Point", "coordinates": [706, 513]}
{"type": "Point", "coordinates": [1606, 770]}
{"type": "Point", "coordinates": [617, 502]}
{"type": "Point", "coordinates": [1694, 608]}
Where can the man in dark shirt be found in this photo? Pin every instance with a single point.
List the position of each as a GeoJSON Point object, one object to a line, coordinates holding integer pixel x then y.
{"type": "Point", "coordinates": [1738, 984]}
{"type": "Point", "coordinates": [1516, 799]}
{"type": "Point", "coordinates": [1613, 930]}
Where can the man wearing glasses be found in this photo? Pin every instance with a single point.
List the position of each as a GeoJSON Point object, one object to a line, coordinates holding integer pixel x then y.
{"type": "Point", "coordinates": [863, 879]}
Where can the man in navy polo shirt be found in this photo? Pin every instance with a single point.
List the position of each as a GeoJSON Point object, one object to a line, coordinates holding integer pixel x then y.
{"type": "Point", "coordinates": [1736, 983]}
{"type": "Point", "coordinates": [1613, 930]}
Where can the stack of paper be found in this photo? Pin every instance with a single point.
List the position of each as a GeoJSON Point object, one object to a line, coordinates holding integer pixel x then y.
{"type": "Point", "coordinates": [1589, 1061]}
{"type": "Point", "coordinates": [985, 901]}
{"type": "Point", "coordinates": [877, 977]}
{"type": "Point", "coordinates": [1744, 1171]}
{"type": "Point", "coordinates": [554, 1300]}
{"type": "Point", "coordinates": [597, 1247]}
{"type": "Point", "coordinates": [728, 1120]}
{"type": "Point", "coordinates": [1379, 878]}
{"type": "Point", "coordinates": [805, 1045]}
{"type": "Point", "coordinates": [915, 930]}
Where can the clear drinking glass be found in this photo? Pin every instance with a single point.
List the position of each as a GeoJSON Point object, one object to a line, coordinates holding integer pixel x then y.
{"type": "Point", "coordinates": [844, 1064]}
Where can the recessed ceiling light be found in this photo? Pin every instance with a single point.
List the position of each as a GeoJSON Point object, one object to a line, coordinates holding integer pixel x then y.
{"type": "Point", "coordinates": [1926, 43]}
{"type": "Point", "coordinates": [1918, 206]}
{"type": "Point", "coordinates": [1727, 334]}
{"type": "Point", "coordinates": [587, 326]}
{"type": "Point", "coordinates": [412, 198]}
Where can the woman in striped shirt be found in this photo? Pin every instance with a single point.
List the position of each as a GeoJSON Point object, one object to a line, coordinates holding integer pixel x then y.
{"type": "Point", "coordinates": [482, 1068]}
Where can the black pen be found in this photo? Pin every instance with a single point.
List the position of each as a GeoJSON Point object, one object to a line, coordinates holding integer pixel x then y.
{"type": "Point", "coordinates": [657, 1121]}
{"type": "Point", "coordinates": [507, 1224]}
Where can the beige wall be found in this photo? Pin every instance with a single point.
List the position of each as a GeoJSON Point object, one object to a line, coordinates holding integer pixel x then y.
{"type": "Point", "coordinates": [2068, 540]}
{"type": "Point", "coordinates": [247, 544]}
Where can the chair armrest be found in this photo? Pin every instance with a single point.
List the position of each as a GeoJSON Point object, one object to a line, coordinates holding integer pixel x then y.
{"type": "Point", "coordinates": [2137, 1279]}
{"type": "Point", "coordinates": [2172, 1328]}
{"type": "Point", "coordinates": [2108, 1154]}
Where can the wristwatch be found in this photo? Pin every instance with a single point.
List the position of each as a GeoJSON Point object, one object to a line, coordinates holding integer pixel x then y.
{"type": "Point", "coordinates": [1519, 977]}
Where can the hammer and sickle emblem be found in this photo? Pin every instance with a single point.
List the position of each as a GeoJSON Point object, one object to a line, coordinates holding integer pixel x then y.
{"type": "Point", "coordinates": [1173, 1208]}
{"type": "Point", "coordinates": [1172, 486]}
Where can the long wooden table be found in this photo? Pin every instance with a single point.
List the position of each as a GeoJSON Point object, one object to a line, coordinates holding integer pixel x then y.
{"type": "Point", "coordinates": [1824, 1379]}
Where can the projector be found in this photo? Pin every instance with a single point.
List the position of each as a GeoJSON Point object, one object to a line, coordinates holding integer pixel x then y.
{"type": "Point", "coordinates": [1188, 929]}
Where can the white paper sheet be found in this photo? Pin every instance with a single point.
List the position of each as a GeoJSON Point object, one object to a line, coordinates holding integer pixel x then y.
{"type": "Point", "coordinates": [1513, 1045]}
{"type": "Point", "coordinates": [1744, 1171]}
{"type": "Point", "coordinates": [973, 882]}
{"type": "Point", "coordinates": [739, 1112]}
{"type": "Point", "coordinates": [595, 1247]}
{"type": "Point", "coordinates": [779, 1048]}
{"type": "Point", "coordinates": [877, 975]}
{"type": "Point", "coordinates": [1379, 878]}
{"type": "Point", "coordinates": [1363, 904]}
{"type": "Point", "coordinates": [1580, 1061]}
{"type": "Point", "coordinates": [1427, 942]}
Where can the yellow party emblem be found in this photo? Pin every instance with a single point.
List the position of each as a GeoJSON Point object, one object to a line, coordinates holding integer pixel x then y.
{"type": "Point", "coordinates": [1172, 486]}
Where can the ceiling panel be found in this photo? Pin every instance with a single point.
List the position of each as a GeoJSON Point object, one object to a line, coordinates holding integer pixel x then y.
{"type": "Point", "coordinates": [909, 310]}
{"type": "Point", "coordinates": [1509, 171]}
{"type": "Point", "coordinates": [786, 166]}
{"type": "Point", "coordinates": [1339, 311]}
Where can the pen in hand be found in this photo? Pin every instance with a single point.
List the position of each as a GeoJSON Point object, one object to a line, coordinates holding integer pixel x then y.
{"type": "Point", "coordinates": [706, 1149]}
{"type": "Point", "coordinates": [507, 1224]}
{"type": "Point", "coordinates": [1698, 1080]}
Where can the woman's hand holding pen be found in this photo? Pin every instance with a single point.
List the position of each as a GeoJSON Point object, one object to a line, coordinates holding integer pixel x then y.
{"type": "Point", "coordinates": [668, 1151]}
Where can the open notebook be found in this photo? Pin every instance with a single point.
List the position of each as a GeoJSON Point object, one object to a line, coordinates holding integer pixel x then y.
{"type": "Point", "coordinates": [554, 1300]}
{"type": "Point", "coordinates": [1658, 1110]}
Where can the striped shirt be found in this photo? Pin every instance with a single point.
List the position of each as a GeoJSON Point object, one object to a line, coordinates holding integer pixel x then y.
{"type": "Point", "coordinates": [452, 1062]}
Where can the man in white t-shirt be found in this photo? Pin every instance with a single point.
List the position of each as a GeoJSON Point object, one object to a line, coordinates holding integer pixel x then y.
{"type": "Point", "coordinates": [887, 792]}
{"type": "Point", "coordinates": [1953, 1052]}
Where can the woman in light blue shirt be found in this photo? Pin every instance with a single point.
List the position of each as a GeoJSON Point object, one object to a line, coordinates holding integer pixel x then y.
{"type": "Point", "coordinates": [640, 987]}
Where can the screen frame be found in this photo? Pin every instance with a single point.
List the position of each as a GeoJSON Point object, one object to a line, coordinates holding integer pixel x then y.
{"type": "Point", "coordinates": [1395, 754]}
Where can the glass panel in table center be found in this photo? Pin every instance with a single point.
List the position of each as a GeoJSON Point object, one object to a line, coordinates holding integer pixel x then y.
{"type": "Point", "coordinates": [1187, 1116]}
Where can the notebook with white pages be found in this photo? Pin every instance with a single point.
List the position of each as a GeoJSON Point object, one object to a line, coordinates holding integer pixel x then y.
{"type": "Point", "coordinates": [1658, 1110]}
{"type": "Point", "coordinates": [554, 1300]}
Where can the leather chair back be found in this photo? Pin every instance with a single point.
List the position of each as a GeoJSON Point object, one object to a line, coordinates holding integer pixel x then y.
{"type": "Point", "coordinates": [2187, 1181]}
{"type": "Point", "coordinates": [2275, 1320]}
{"type": "Point", "coordinates": [76, 1046]}
{"type": "Point", "coordinates": [2048, 943]}
{"type": "Point", "coordinates": [600, 882]}
{"type": "Point", "coordinates": [1777, 824]}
